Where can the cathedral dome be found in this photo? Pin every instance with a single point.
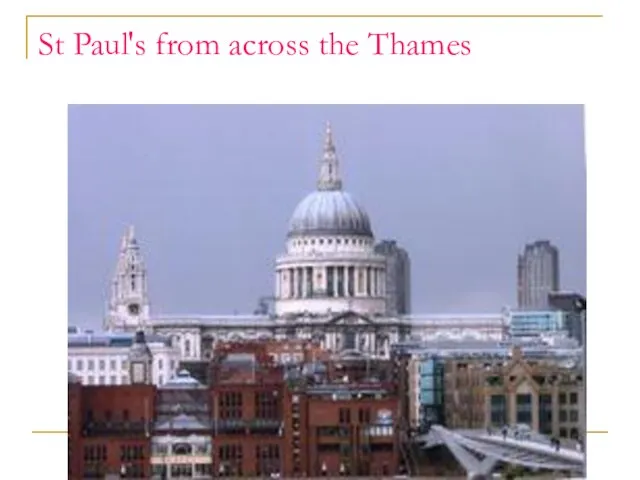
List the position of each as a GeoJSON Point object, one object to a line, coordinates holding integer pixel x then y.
{"type": "Point", "coordinates": [329, 210]}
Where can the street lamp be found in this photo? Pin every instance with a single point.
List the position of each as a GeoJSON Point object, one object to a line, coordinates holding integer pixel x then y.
{"type": "Point", "coordinates": [576, 304]}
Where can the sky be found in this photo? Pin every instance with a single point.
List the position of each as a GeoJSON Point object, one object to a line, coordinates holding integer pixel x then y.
{"type": "Point", "coordinates": [210, 189]}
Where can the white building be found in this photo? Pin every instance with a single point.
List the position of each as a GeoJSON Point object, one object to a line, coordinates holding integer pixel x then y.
{"type": "Point", "coordinates": [103, 359]}
{"type": "Point", "coordinates": [329, 285]}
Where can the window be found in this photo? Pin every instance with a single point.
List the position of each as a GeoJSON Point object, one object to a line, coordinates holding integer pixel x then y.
{"type": "Point", "coordinates": [573, 398]}
{"type": "Point", "coordinates": [113, 380]}
{"type": "Point", "coordinates": [79, 365]}
{"type": "Point", "coordinates": [187, 347]}
{"type": "Point", "coordinates": [267, 460]}
{"type": "Point", "coordinates": [112, 364]}
{"type": "Point", "coordinates": [101, 364]}
{"type": "Point", "coordinates": [267, 405]}
{"type": "Point", "coordinates": [563, 433]}
{"type": "Point", "coordinates": [230, 461]}
{"type": "Point", "coordinates": [230, 405]}
{"type": "Point", "coordinates": [545, 414]}
{"type": "Point", "coordinates": [204, 470]}
{"type": "Point", "coordinates": [131, 452]}
{"type": "Point", "coordinates": [90, 380]}
{"type": "Point", "coordinates": [350, 340]}
{"type": "Point", "coordinates": [160, 380]}
{"type": "Point", "coordinates": [573, 416]}
{"type": "Point", "coordinates": [364, 415]}
{"type": "Point", "coordinates": [91, 365]}
{"type": "Point", "coordinates": [101, 380]}
{"type": "Point", "coordinates": [125, 379]}
{"type": "Point", "coordinates": [182, 470]}
{"type": "Point", "coordinates": [344, 416]}
{"type": "Point", "coordinates": [160, 364]}
{"type": "Point", "coordinates": [563, 416]}
{"type": "Point", "coordinates": [498, 410]}
{"type": "Point", "coordinates": [562, 398]}
{"type": "Point", "coordinates": [523, 409]}
{"type": "Point", "coordinates": [69, 367]}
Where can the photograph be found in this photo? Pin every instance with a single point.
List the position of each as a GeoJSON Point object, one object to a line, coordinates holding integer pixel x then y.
{"type": "Point", "coordinates": [317, 290]}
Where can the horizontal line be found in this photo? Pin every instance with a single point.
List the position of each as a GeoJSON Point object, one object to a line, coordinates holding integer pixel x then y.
{"type": "Point", "coordinates": [597, 431]}
{"type": "Point", "coordinates": [329, 16]}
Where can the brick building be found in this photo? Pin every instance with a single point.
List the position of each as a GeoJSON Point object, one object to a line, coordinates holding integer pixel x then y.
{"type": "Point", "coordinates": [109, 430]}
{"type": "Point", "coordinates": [257, 418]}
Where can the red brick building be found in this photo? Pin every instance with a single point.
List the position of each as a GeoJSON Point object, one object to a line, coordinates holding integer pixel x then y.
{"type": "Point", "coordinates": [115, 428]}
{"type": "Point", "coordinates": [74, 427]}
{"type": "Point", "coordinates": [315, 418]}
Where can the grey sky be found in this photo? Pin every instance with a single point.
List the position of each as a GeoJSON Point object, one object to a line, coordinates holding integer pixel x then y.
{"type": "Point", "coordinates": [210, 190]}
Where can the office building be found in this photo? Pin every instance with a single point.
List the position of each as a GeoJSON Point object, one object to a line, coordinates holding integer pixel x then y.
{"type": "Point", "coordinates": [398, 277]}
{"type": "Point", "coordinates": [538, 275]}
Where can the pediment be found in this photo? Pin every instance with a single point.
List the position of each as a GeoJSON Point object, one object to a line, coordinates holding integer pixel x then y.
{"type": "Point", "coordinates": [350, 318]}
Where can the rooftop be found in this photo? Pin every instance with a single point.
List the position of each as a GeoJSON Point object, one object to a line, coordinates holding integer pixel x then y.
{"type": "Point", "coordinates": [182, 380]}
{"type": "Point", "coordinates": [108, 339]}
{"type": "Point", "coordinates": [479, 348]}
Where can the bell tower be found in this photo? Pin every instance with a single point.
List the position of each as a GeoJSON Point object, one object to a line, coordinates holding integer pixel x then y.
{"type": "Point", "coordinates": [128, 308]}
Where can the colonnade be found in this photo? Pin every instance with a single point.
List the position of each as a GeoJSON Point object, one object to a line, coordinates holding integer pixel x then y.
{"type": "Point", "coordinates": [336, 281]}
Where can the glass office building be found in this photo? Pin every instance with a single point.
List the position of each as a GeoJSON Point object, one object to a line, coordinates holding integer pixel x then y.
{"type": "Point", "coordinates": [431, 393]}
{"type": "Point", "coordinates": [533, 324]}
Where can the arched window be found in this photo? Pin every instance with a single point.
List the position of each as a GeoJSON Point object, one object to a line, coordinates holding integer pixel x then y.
{"type": "Point", "coordinates": [182, 449]}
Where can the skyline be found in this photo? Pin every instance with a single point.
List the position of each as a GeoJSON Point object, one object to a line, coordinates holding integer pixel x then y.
{"type": "Point", "coordinates": [507, 176]}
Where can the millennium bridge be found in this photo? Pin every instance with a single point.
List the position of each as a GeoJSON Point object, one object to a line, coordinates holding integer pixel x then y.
{"type": "Point", "coordinates": [479, 452]}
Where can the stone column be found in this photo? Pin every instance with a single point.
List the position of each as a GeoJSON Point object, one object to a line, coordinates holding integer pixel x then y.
{"type": "Point", "coordinates": [335, 281]}
{"type": "Point", "coordinates": [487, 410]}
{"type": "Point", "coordinates": [305, 282]}
{"type": "Point", "coordinates": [367, 280]}
{"type": "Point", "coordinates": [555, 414]}
{"type": "Point", "coordinates": [535, 411]}
{"type": "Point", "coordinates": [292, 283]}
{"type": "Point", "coordinates": [346, 282]}
{"type": "Point", "coordinates": [511, 417]}
{"type": "Point", "coordinates": [325, 280]}
{"type": "Point", "coordinates": [374, 287]}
